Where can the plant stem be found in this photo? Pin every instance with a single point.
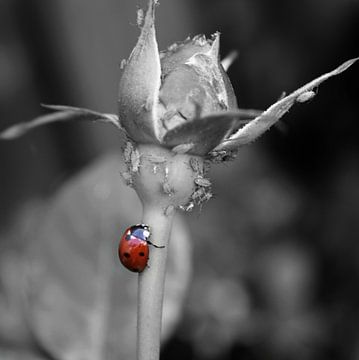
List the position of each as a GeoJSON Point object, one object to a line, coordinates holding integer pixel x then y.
{"type": "Point", "coordinates": [151, 284]}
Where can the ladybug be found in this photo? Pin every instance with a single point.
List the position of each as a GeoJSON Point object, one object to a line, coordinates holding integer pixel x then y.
{"type": "Point", "coordinates": [133, 250]}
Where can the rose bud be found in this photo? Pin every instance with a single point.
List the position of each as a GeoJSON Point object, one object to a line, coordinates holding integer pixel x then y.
{"type": "Point", "coordinates": [181, 99]}
{"type": "Point", "coordinates": [176, 96]}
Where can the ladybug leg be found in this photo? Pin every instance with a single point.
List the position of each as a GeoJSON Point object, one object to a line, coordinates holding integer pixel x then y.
{"type": "Point", "coordinates": [156, 246]}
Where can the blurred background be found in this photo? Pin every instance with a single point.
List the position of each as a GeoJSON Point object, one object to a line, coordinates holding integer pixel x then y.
{"type": "Point", "coordinates": [268, 269]}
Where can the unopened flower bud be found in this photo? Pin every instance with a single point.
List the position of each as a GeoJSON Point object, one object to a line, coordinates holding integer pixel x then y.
{"type": "Point", "coordinates": [163, 94]}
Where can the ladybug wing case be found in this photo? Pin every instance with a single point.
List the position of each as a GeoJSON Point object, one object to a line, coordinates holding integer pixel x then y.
{"type": "Point", "coordinates": [133, 253]}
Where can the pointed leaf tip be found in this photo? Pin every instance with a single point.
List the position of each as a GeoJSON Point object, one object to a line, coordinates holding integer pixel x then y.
{"type": "Point", "coordinates": [346, 65]}
{"type": "Point", "coordinates": [63, 113]}
{"type": "Point", "coordinates": [229, 59]}
{"type": "Point", "coordinates": [263, 122]}
{"type": "Point", "coordinates": [13, 132]}
{"type": "Point", "coordinates": [22, 128]}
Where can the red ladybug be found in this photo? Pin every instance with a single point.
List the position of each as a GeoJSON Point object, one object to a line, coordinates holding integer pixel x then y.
{"type": "Point", "coordinates": [133, 250]}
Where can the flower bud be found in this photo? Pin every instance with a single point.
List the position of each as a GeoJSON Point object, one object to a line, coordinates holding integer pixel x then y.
{"type": "Point", "coordinates": [164, 92]}
{"type": "Point", "coordinates": [183, 100]}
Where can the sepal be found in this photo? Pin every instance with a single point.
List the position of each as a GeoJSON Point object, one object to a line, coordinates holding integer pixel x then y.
{"type": "Point", "coordinates": [203, 133]}
{"type": "Point", "coordinates": [269, 117]}
{"type": "Point", "coordinates": [140, 84]}
{"type": "Point", "coordinates": [63, 113]}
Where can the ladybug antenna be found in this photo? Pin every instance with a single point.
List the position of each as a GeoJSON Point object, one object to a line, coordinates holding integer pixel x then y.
{"type": "Point", "coordinates": [156, 246]}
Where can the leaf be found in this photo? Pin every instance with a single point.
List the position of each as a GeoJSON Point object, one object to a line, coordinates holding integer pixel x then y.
{"type": "Point", "coordinates": [204, 133]}
{"type": "Point", "coordinates": [207, 132]}
{"type": "Point", "coordinates": [78, 301]}
{"type": "Point", "coordinates": [263, 122]}
{"type": "Point", "coordinates": [63, 113]}
{"type": "Point", "coordinates": [229, 59]}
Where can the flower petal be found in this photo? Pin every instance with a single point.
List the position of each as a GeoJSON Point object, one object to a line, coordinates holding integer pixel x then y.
{"type": "Point", "coordinates": [64, 113]}
{"type": "Point", "coordinates": [140, 84]}
{"type": "Point", "coordinates": [263, 122]}
{"type": "Point", "coordinates": [178, 53]}
{"type": "Point", "coordinates": [203, 133]}
{"type": "Point", "coordinates": [231, 100]}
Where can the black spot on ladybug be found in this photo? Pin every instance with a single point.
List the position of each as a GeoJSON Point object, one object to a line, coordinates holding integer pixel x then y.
{"type": "Point", "coordinates": [126, 255]}
{"type": "Point", "coordinates": [128, 237]}
{"type": "Point", "coordinates": [141, 253]}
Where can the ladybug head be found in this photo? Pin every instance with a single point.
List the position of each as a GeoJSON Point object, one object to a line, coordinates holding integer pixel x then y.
{"type": "Point", "coordinates": [144, 226]}
{"type": "Point", "coordinates": [141, 231]}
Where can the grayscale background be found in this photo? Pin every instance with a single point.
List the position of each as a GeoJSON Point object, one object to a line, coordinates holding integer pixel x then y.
{"type": "Point", "coordinates": [268, 269]}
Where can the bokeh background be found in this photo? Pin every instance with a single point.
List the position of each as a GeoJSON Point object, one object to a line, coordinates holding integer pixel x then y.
{"type": "Point", "coordinates": [268, 269]}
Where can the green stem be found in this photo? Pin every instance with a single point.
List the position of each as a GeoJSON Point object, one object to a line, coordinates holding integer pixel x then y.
{"type": "Point", "coordinates": [151, 284]}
